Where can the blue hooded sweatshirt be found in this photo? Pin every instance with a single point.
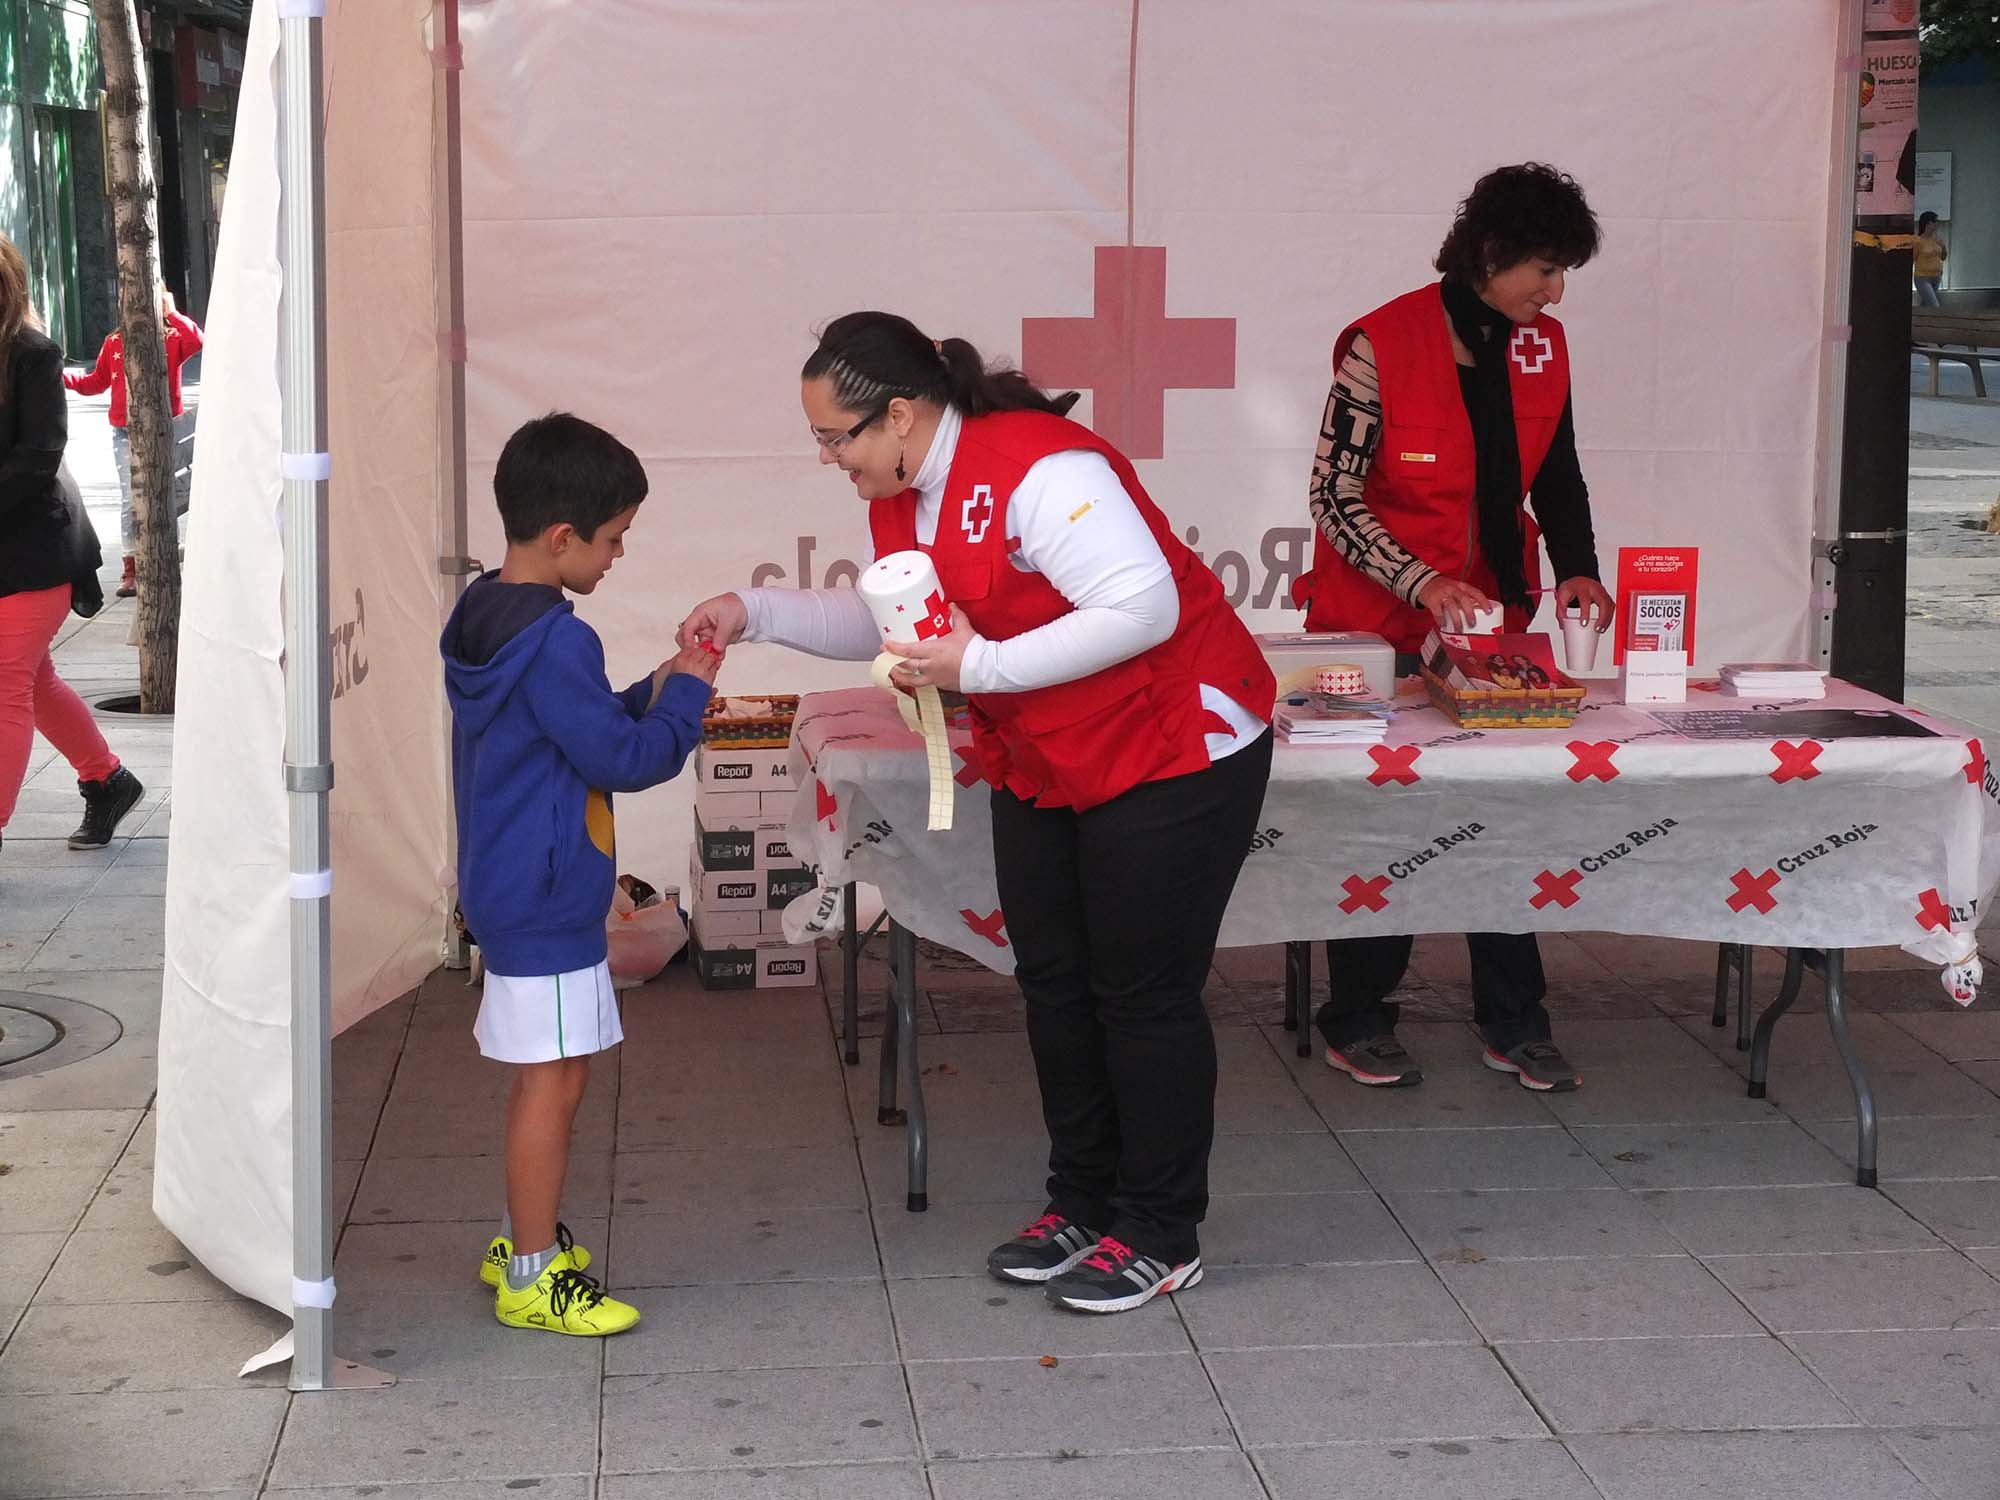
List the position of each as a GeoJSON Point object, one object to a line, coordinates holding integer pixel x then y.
{"type": "Point", "coordinates": [539, 741]}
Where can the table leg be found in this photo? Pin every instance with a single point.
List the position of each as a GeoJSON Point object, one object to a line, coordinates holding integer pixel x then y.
{"type": "Point", "coordinates": [1719, 1017]}
{"type": "Point", "coordinates": [850, 980]}
{"type": "Point", "coordinates": [903, 981]}
{"type": "Point", "coordinates": [1299, 971]}
{"type": "Point", "coordinates": [1291, 987]}
{"type": "Point", "coordinates": [1834, 973]}
{"type": "Point", "coordinates": [1760, 1046]}
{"type": "Point", "coordinates": [886, 1112]}
{"type": "Point", "coordinates": [1744, 954]}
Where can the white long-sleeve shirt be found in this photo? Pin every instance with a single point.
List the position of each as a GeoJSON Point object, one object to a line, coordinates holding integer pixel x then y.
{"type": "Point", "coordinates": [1082, 532]}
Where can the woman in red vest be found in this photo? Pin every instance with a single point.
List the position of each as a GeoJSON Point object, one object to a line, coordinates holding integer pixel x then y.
{"type": "Point", "coordinates": [1451, 407]}
{"type": "Point", "coordinates": [1121, 714]}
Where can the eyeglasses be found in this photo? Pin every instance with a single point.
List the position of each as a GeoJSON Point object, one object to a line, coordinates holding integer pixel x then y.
{"type": "Point", "coordinates": [833, 445]}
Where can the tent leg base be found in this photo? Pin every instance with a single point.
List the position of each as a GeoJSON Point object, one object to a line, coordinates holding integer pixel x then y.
{"type": "Point", "coordinates": [349, 1376]}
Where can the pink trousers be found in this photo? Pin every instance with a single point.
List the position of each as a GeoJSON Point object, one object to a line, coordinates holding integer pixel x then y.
{"type": "Point", "coordinates": [32, 697]}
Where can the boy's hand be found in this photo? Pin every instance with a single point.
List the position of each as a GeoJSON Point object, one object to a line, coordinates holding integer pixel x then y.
{"type": "Point", "coordinates": [701, 660]}
{"type": "Point", "coordinates": [718, 621]}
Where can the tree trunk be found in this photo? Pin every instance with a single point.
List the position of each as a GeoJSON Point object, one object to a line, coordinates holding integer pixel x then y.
{"type": "Point", "coordinates": [149, 420]}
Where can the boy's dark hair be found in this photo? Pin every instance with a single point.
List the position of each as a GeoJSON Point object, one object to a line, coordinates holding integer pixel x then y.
{"type": "Point", "coordinates": [560, 468]}
{"type": "Point", "coordinates": [873, 357]}
{"type": "Point", "coordinates": [1513, 214]}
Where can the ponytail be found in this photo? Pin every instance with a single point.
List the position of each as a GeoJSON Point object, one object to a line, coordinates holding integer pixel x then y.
{"type": "Point", "coordinates": [870, 358]}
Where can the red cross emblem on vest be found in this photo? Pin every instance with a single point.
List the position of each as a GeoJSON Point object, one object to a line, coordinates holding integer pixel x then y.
{"type": "Point", "coordinates": [1531, 349]}
{"type": "Point", "coordinates": [976, 513]}
{"type": "Point", "coordinates": [938, 621]}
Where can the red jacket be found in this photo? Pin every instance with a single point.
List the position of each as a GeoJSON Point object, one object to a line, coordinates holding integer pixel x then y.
{"type": "Point", "coordinates": [183, 341]}
{"type": "Point", "coordinates": [1075, 744]}
{"type": "Point", "coordinates": [1421, 484]}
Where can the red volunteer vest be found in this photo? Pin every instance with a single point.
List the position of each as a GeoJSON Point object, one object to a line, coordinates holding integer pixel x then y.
{"type": "Point", "coordinates": [1074, 744]}
{"type": "Point", "coordinates": [1421, 482]}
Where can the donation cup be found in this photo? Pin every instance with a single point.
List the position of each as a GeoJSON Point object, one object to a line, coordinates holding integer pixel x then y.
{"type": "Point", "coordinates": [904, 597]}
{"type": "Point", "coordinates": [1489, 621]}
{"type": "Point", "coordinates": [1580, 639]}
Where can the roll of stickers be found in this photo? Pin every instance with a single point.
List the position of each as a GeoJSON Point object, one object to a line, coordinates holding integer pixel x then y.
{"type": "Point", "coordinates": [907, 602]}
{"type": "Point", "coordinates": [1342, 679]}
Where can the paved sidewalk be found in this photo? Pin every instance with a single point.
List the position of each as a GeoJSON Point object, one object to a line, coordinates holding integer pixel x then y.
{"type": "Point", "coordinates": [1653, 1288]}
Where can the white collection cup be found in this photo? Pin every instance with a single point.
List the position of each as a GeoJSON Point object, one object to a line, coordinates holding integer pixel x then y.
{"type": "Point", "coordinates": [1580, 639]}
{"type": "Point", "coordinates": [1489, 621]}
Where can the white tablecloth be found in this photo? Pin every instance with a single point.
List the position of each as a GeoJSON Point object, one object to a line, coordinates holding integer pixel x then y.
{"type": "Point", "coordinates": [1616, 824]}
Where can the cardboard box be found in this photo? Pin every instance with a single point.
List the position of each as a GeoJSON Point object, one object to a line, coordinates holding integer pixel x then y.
{"type": "Point", "coordinates": [745, 890]}
{"type": "Point", "coordinates": [754, 964]}
{"type": "Point", "coordinates": [759, 770]}
{"type": "Point", "coordinates": [760, 846]}
{"type": "Point", "coordinates": [731, 809]}
{"type": "Point", "coordinates": [719, 929]}
{"type": "Point", "coordinates": [1295, 658]}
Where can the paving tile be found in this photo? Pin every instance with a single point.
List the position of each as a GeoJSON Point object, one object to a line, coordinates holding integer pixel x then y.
{"type": "Point", "coordinates": [743, 1243]}
{"type": "Point", "coordinates": [1896, 1379]}
{"type": "Point", "coordinates": [770, 1326]}
{"type": "Point", "coordinates": [1769, 1465]}
{"type": "Point", "coordinates": [25, 1259]}
{"type": "Point", "coordinates": [68, 1138]}
{"type": "Point", "coordinates": [1473, 1224]}
{"type": "Point", "coordinates": [949, 1239]}
{"type": "Point", "coordinates": [1294, 1163]}
{"type": "Point", "coordinates": [1687, 1384]}
{"type": "Point", "coordinates": [129, 1265]}
{"type": "Point", "coordinates": [173, 1441]}
{"type": "Point", "coordinates": [1916, 1150]}
{"type": "Point", "coordinates": [533, 1487]}
{"type": "Point", "coordinates": [1300, 1229]}
{"type": "Point", "coordinates": [760, 1418]}
{"type": "Point", "coordinates": [1872, 1290]}
{"type": "Point", "coordinates": [1192, 1475]}
{"type": "Point", "coordinates": [145, 1346]}
{"type": "Point", "coordinates": [1802, 1040]}
{"type": "Point", "coordinates": [1617, 1297]}
{"type": "Point", "coordinates": [1966, 1213]}
{"type": "Point", "coordinates": [833, 1482]}
{"type": "Point", "coordinates": [1668, 1096]}
{"type": "Point", "coordinates": [1415, 1161]}
{"type": "Point", "coordinates": [998, 1170]}
{"type": "Point", "coordinates": [428, 1189]}
{"type": "Point", "coordinates": [1676, 1156]}
{"type": "Point", "coordinates": [1956, 1465]}
{"type": "Point", "coordinates": [1448, 1098]}
{"type": "Point", "coordinates": [813, 1118]}
{"type": "Point", "coordinates": [976, 1317]}
{"type": "Point", "coordinates": [431, 1258]}
{"type": "Point", "coordinates": [1263, 1307]}
{"type": "Point", "coordinates": [763, 1066]}
{"type": "Point", "coordinates": [1780, 1220]}
{"type": "Point", "coordinates": [1957, 1036]}
{"type": "Point", "coordinates": [1901, 1089]}
{"type": "Point", "coordinates": [1501, 1469]}
{"type": "Point", "coordinates": [820, 1177]}
{"type": "Point", "coordinates": [125, 1201]}
{"type": "Point", "coordinates": [451, 1336]}
{"type": "Point", "coordinates": [1385, 1393]}
{"type": "Point", "coordinates": [1018, 1407]}
{"type": "Point", "coordinates": [1262, 1106]}
{"type": "Point", "coordinates": [421, 1430]}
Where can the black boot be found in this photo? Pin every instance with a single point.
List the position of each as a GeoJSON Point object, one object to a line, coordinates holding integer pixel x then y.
{"type": "Point", "coordinates": [104, 804]}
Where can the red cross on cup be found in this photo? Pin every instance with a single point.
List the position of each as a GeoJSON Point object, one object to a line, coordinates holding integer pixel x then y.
{"type": "Point", "coordinates": [938, 622]}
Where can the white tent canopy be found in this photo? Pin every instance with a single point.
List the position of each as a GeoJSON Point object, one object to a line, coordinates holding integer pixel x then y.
{"type": "Point", "coordinates": [662, 201]}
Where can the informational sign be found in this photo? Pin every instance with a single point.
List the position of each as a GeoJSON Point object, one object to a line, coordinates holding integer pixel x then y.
{"type": "Point", "coordinates": [1934, 184]}
{"type": "Point", "coordinates": [1656, 597]}
{"type": "Point", "coordinates": [1891, 15]}
{"type": "Point", "coordinates": [1884, 181]}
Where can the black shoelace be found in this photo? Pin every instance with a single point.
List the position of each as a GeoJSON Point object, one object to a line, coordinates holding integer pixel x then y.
{"type": "Point", "coordinates": [573, 1286]}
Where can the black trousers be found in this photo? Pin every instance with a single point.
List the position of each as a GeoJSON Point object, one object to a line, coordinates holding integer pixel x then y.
{"type": "Point", "coordinates": [1507, 988]}
{"type": "Point", "coordinates": [1113, 915]}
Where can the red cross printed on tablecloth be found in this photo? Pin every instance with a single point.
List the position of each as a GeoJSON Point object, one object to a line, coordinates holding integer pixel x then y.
{"type": "Point", "coordinates": [1975, 762]}
{"type": "Point", "coordinates": [1592, 759]}
{"type": "Point", "coordinates": [1753, 890]}
{"type": "Point", "coordinates": [1795, 762]}
{"type": "Point", "coordinates": [825, 802]}
{"type": "Point", "coordinates": [1366, 893]}
{"type": "Point", "coordinates": [1560, 889]}
{"type": "Point", "coordinates": [988, 926]}
{"type": "Point", "coordinates": [968, 774]}
{"type": "Point", "coordinates": [1394, 763]}
{"type": "Point", "coordinates": [938, 621]}
{"type": "Point", "coordinates": [1932, 914]}
{"type": "Point", "coordinates": [1128, 352]}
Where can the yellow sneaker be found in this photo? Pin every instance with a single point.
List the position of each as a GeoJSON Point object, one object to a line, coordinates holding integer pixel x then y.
{"type": "Point", "coordinates": [493, 1269]}
{"type": "Point", "coordinates": [564, 1300]}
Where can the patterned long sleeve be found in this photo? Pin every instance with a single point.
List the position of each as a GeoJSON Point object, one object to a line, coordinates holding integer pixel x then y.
{"type": "Point", "coordinates": [1347, 438]}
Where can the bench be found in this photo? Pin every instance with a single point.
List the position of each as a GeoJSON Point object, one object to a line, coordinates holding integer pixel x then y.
{"type": "Point", "coordinates": [1939, 335]}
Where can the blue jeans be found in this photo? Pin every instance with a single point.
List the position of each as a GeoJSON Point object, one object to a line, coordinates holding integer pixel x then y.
{"type": "Point", "coordinates": [1927, 291]}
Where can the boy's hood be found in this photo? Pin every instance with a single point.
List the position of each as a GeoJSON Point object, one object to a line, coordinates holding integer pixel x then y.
{"type": "Point", "coordinates": [490, 641]}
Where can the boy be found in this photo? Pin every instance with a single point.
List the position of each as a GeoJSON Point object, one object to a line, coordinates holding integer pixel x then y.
{"type": "Point", "coordinates": [539, 742]}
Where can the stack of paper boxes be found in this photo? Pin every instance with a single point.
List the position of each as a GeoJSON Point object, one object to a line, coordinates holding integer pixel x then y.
{"type": "Point", "coordinates": [743, 872]}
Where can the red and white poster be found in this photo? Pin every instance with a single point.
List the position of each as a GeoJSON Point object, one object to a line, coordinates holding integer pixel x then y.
{"type": "Point", "coordinates": [1656, 592]}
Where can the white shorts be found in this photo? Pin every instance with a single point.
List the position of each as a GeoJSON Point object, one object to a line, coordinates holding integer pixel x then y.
{"type": "Point", "coordinates": [548, 1016]}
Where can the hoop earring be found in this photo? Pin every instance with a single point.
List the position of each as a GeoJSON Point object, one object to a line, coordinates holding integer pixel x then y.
{"type": "Point", "coordinates": [899, 464]}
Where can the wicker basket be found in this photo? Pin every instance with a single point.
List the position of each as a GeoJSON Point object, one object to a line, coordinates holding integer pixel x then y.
{"type": "Point", "coordinates": [751, 731]}
{"type": "Point", "coordinates": [1505, 708]}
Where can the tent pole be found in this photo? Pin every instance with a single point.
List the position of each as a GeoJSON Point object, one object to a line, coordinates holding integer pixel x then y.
{"type": "Point", "coordinates": [1833, 345]}
{"type": "Point", "coordinates": [308, 747]}
{"type": "Point", "coordinates": [453, 541]}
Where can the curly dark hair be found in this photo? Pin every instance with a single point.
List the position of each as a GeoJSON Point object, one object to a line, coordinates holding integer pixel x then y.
{"type": "Point", "coordinates": [1513, 214]}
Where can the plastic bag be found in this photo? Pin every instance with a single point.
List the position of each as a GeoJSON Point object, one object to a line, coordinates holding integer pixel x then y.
{"type": "Point", "coordinates": [643, 935]}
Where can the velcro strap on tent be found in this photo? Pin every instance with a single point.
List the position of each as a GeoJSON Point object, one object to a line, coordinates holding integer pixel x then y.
{"type": "Point", "coordinates": [311, 885]}
{"type": "Point", "coordinates": [450, 57]}
{"type": "Point", "coordinates": [451, 344]}
{"type": "Point", "coordinates": [314, 467]}
{"type": "Point", "coordinates": [312, 1293]}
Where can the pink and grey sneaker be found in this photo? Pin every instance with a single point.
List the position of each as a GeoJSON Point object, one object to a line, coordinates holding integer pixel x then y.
{"type": "Point", "coordinates": [1378, 1061]}
{"type": "Point", "coordinates": [1114, 1277]}
{"type": "Point", "coordinates": [1539, 1065]}
{"type": "Point", "coordinates": [1044, 1249]}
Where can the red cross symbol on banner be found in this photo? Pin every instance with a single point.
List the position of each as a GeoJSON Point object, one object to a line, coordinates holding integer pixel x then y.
{"type": "Point", "coordinates": [1795, 762]}
{"type": "Point", "coordinates": [1366, 893]}
{"type": "Point", "coordinates": [825, 802]}
{"type": "Point", "coordinates": [1592, 759]}
{"type": "Point", "coordinates": [1395, 763]}
{"type": "Point", "coordinates": [1561, 889]}
{"type": "Point", "coordinates": [987, 927]}
{"type": "Point", "coordinates": [1975, 762]}
{"type": "Point", "coordinates": [1754, 890]}
{"type": "Point", "coordinates": [937, 622]}
{"type": "Point", "coordinates": [1932, 914]}
{"type": "Point", "coordinates": [967, 775]}
{"type": "Point", "coordinates": [1531, 350]}
{"type": "Point", "coordinates": [1128, 352]}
